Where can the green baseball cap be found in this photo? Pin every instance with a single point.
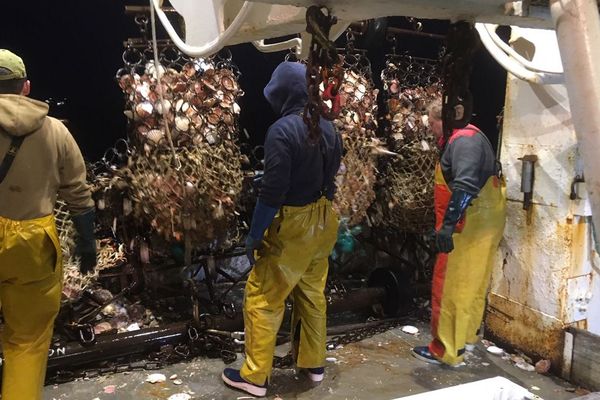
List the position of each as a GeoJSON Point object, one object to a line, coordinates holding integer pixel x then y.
{"type": "Point", "coordinates": [11, 66]}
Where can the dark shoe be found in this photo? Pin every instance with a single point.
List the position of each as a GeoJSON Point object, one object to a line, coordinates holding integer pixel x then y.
{"type": "Point", "coordinates": [232, 378]}
{"type": "Point", "coordinates": [316, 374]}
{"type": "Point", "coordinates": [422, 353]}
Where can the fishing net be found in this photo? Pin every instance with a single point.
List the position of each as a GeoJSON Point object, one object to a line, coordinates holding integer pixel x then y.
{"type": "Point", "coordinates": [357, 124]}
{"type": "Point", "coordinates": [405, 189]}
{"type": "Point", "coordinates": [187, 189]}
{"type": "Point", "coordinates": [110, 255]}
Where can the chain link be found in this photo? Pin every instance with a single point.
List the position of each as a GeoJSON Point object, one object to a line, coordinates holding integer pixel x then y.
{"type": "Point", "coordinates": [324, 69]}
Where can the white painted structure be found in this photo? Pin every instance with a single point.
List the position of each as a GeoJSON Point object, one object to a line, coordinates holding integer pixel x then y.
{"type": "Point", "coordinates": [548, 272]}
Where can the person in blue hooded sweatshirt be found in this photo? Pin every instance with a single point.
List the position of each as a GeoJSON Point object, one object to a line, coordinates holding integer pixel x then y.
{"type": "Point", "coordinates": [293, 231]}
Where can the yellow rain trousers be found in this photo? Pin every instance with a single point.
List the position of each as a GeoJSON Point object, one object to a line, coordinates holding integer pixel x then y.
{"type": "Point", "coordinates": [292, 262]}
{"type": "Point", "coordinates": [30, 292]}
{"type": "Point", "coordinates": [461, 278]}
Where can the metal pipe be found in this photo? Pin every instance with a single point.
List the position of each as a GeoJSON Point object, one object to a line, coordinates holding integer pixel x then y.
{"type": "Point", "coordinates": [512, 65]}
{"type": "Point", "coordinates": [135, 10]}
{"type": "Point", "coordinates": [114, 346]}
{"type": "Point", "coordinates": [214, 45]}
{"type": "Point", "coordinates": [578, 33]}
{"type": "Point", "coordinates": [491, 29]}
{"type": "Point", "coordinates": [295, 43]}
{"type": "Point", "coordinates": [410, 32]}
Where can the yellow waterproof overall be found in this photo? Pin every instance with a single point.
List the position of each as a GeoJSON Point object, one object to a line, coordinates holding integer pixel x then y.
{"type": "Point", "coordinates": [30, 292]}
{"type": "Point", "coordinates": [461, 278]}
{"type": "Point", "coordinates": [293, 262]}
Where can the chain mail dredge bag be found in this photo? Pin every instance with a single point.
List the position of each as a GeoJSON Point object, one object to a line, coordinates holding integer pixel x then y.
{"type": "Point", "coordinates": [405, 188]}
{"type": "Point", "coordinates": [185, 172]}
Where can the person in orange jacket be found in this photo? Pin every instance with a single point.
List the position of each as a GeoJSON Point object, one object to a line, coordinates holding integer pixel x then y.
{"type": "Point", "coordinates": [470, 209]}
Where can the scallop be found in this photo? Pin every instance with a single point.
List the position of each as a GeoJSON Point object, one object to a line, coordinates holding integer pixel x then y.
{"type": "Point", "coordinates": [210, 138]}
{"type": "Point", "coordinates": [143, 90]}
{"type": "Point", "coordinates": [126, 81]}
{"type": "Point", "coordinates": [189, 69]}
{"type": "Point", "coordinates": [213, 118]}
{"type": "Point", "coordinates": [182, 123]}
{"type": "Point", "coordinates": [152, 70]}
{"type": "Point", "coordinates": [155, 136]}
{"type": "Point", "coordinates": [165, 106]}
{"type": "Point", "coordinates": [144, 109]}
{"type": "Point", "coordinates": [179, 86]}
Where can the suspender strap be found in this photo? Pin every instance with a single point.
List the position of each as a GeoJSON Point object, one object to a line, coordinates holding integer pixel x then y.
{"type": "Point", "coordinates": [15, 144]}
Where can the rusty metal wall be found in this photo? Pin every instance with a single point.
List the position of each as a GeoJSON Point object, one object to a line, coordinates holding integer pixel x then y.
{"type": "Point", "coordinates": [543, 280]}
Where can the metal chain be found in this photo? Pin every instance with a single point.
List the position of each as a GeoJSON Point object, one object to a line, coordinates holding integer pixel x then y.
{"type": "Point", "coordinates": [323, 68]}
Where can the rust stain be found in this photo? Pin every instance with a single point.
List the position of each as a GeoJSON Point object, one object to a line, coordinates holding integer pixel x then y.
{"type": "Point", "coordinates": [579, 241]}
{"type": "Point", "coordinates": [519, 327]}
{"type": "Point", "coordinates": [385, 352]}
{"type": "Point", "coordinates": [155, 391]}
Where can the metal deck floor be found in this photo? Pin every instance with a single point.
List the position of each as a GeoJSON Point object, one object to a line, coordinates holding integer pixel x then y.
{"type": "Point", "coordinates": [378, 368]}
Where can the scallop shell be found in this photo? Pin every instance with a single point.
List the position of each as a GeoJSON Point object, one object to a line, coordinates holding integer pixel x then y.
{"type": "Point", "coordinates": [143, 90]}
{"type": "Point", "coordinates": [228, 118]}
{"type": "Point", "coordinates": [126, 81]}
{"type": "Point", "coordinates": [155, 136]}
{"type": "Point", "coordinates": [189, 70]}
{"type": "Point", "coordinates": [182, 123]}
{"type": "Point", "coordinates": [179, 86]}
{"type": "Point", "coordinates": [144, 109]}
{"type": "Point", "coordinates": [179, 105]}
{"type": "Point", "coordinates": [152, 70]}
{"type": "Point", "coordinates": [210, 138]}
{"type": "Point", "coordinates": [228, 83]}
{"type": "Point", "coordinates": [213, 118]}
{"type": "Point", "coordinates": [164, 106]}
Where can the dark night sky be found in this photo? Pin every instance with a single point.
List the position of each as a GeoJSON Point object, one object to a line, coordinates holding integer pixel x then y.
{"type": "Point", "coordinates": [73, 48]}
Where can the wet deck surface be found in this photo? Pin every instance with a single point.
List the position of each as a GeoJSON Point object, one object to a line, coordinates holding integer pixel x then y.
{"type": "Point", "coordinates": [377, 368]}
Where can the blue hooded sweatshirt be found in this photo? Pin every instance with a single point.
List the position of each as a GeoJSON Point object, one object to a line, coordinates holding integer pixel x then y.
{"type": "Point", "coordinates": [296, 172]}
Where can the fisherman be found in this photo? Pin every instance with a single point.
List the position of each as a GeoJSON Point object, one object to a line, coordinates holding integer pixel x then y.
{"type": "Point", "coordinates": [470, 210]}
{"type": "Point", "coordinates": [295, 204]}
{"type": "Point", "coordinates": [38, 160]}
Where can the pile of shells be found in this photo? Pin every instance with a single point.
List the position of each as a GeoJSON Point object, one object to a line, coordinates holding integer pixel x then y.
{"type": "Point", "coordinates": [405, 189]}
{"type": "Point", "coordinates": [191, 189]}
{"type": "Point", "coordinates": [357, 124]}
{"type": "Point", "coordinates": [122, 315]}
{"type": "Point", "coordinates": [199, 104]}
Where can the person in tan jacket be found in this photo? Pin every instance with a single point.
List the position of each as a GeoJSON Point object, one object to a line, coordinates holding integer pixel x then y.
{"type": "Point", "coordinates": [38, 160]}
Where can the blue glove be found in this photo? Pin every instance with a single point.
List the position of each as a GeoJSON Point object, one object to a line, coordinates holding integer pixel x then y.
{"type": "Point", "coordinates": [85, 242]}
{"type": "Point", "coordinates": [261, 220]}
{"type": "Point", "coordinates": [459, 202]}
